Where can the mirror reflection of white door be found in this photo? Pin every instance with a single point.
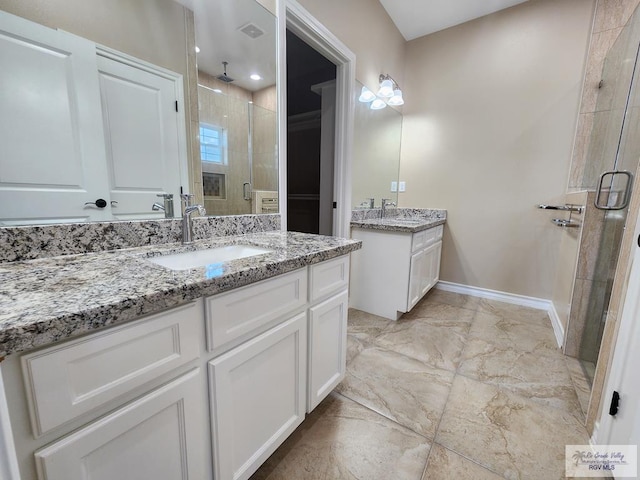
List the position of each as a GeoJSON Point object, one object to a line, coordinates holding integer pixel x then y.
{"type": "Point", "coordinates": [144, 138]}
{"type": "Point", "coordinates": [52, 155]}
{"type": "Point", "coordinates": [624, 427]}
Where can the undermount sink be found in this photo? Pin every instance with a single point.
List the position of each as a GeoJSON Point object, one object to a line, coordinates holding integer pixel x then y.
{"type": "Point", "coordinates": [202, 258]}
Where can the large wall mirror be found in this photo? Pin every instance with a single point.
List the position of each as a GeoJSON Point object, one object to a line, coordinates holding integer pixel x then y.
{"type": "Point", "coordinates": [376, 154]}
{"type": "Point", "coordinates": [107, 105]}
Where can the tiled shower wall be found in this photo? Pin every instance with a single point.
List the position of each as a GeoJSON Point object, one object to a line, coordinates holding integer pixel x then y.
{"type": "Point", "coordinates": [610, 18]}
{"type": "Point", "coordinates": [231, 111]}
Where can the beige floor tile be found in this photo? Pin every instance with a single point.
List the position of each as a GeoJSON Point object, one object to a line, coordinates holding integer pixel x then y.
{"type": "Point", "coordinates": [446, 465]}
{"type": "Point", "coordinates": [512, 312]}
{"type": "Point", "coordinates": [450, 298]}
{"type": "Point", "coordinates": [513, 331]}
{"type": "Point", "coordinates": [355, 345]}
{"type": "Point", "coordinates": [440, 312]}
{"type": "Point", "coordinates": [402, 389]}
{"type": "Point", "coordinates": [580, 382]}
{"type": "Point", "coordinates": [507, 433]}
{"type": "Point", "coordinates": [536, 373]}
{"type": "Point", "coordinates": [438, 344]}
{"type": "Point", "coordinates": [343, 440]}
{"type": "Point", "coordinates": [365, 325]}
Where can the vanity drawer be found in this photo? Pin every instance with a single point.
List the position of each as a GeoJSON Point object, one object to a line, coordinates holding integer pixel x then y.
{"type": "Point", "coordinates": [233, 315]}
{"type": "Point", "coordinates": [425, 238]}
{"type": "Point", "coordinates": [328, 277]}
{"type": "Point", "coordinates": [71, 379]}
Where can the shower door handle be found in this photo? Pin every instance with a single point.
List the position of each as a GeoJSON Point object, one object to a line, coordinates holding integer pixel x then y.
{"type": "Point", "coordinates": [246, 190]}
{"type": "Point", "coordinates": [627, 190]}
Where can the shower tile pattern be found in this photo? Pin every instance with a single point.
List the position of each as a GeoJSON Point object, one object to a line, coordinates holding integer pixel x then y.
{"type": "Point", "coordinates": [460, 387]}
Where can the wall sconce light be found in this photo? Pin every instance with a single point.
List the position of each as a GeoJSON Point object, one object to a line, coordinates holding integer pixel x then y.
{"type": "Point", "coordinates": [389, 93]}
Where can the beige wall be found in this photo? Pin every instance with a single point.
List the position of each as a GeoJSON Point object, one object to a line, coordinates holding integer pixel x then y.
{"type": "Point", "coordinates": [489, 121]}
{"type": "Point", "coordinates": [152, 30]}
{"type": "Point", "coordinates": [367, 30]}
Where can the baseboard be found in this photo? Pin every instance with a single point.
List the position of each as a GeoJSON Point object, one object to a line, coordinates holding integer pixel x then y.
{"type": "Point", "coordinates": [558, 329]}
{"type": "Point", "coordinates": [514, 299]}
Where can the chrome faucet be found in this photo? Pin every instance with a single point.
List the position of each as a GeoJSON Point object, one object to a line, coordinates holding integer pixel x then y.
{"type": "Point", "coordinates": [386, 203]}
{"type": "Point", "coordinates": [167, 208]}
{"type": "Point", "coordinates": [188, 209]}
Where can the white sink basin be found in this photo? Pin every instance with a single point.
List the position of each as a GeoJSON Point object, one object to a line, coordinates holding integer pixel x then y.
{"type": "Point", "coordinates": [202, 258]}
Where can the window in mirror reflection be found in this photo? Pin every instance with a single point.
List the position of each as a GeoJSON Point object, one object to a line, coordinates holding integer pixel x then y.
{"type": "Point", "coordinates": [213, 145]}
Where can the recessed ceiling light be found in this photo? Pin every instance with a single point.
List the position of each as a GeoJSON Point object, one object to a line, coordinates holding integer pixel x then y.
{"type": "Point", "coordinates": [197, 49]}
{"type": "Point", "coordinates": [255, 76]}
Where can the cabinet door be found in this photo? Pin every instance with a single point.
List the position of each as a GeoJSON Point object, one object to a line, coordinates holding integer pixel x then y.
{"type": "Point", "coordinates": [145, 142]}
{"type": "Point", "coordinates": [327, 347]}
{"type": "Point", "coordinates": [416, 278]}
{"type": "Point", "coordinates": [159, 436]}
{"type": "Point", "coordinates": [257, 393]}
{"type": "Point", "coordinates": [53, 157]}
{"type": "Point", "coordinates": [431, 267]}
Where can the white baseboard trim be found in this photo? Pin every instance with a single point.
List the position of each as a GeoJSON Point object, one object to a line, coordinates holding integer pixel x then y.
{"type": "Point", "coordinates": [514, 299]}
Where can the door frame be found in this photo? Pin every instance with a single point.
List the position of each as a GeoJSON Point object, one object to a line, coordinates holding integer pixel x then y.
{"type": "Point", "coordinates": [292, 16]}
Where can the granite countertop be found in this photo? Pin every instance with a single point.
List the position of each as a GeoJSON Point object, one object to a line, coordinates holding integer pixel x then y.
{"type": "Point", "coordinates": [46, 300]}
{"type": "Point", "coordinates": [399, 224]}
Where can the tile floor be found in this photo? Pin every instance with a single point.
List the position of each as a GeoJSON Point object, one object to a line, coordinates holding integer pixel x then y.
{"type": "Point", "coordinates": [459, 388]}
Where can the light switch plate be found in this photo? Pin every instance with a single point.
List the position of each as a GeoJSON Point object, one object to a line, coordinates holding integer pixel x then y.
{"type": "Point", "coordinates": [403, 187]}
{"type": "Point", "coordinates": [394, 186]}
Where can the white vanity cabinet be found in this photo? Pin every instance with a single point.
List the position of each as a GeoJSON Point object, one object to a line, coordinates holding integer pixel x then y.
{"type": "Point", "coordinates": [261, 389]}
{"type": "Point", "coordinates": [206, 390]}
{"type": "Point", "coordinates": [394, 269]}
{"type": "Point", "coordinates": [125, 402]}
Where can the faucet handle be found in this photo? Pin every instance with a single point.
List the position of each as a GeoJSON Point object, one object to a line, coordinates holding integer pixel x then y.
{"type": "Point", "coordinates": [186, 198]}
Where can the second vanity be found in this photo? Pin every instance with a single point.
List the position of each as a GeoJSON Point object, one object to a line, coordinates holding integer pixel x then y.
{"type": "Point", "coordinates": [399, 261]}
{"type": "Point", "coordinates": [198, 373]}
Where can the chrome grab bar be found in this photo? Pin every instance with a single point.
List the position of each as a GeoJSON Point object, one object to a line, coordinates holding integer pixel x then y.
{"type": "Point", "coordinates": [566, 207]}
{"type": "Point", "coordinates": [627, 190]}
{"type": "Point", "coordinates": [565, 223]}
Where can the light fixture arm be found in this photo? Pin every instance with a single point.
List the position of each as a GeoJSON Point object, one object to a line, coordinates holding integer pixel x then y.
{"type": "Point", "coordinates": [384, 77]}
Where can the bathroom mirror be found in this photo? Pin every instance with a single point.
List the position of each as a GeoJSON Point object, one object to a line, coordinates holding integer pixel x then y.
{"type": "Point", "coordinates": [234, 169]}
{"type": "Point", "coordinates": [376, 153]}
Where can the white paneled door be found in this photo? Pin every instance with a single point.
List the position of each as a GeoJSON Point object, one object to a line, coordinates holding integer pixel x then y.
{"type": "Point", "coordinates": [84, 136]}
{"type": "Point", "coordinates": [52, 154]}
{"type": "Point", "coordinates": [140, 114]}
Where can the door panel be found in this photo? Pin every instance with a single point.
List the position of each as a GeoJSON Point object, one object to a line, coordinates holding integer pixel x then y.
{"type": "Point", "coordinates": [142, 137]}
{"type": "Point", "coordinates": [158, 436]}
{"type": "Point", "coordinates": [53, 158]}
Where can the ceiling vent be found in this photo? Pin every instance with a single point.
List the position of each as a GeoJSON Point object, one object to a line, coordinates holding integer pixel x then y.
{"type": "Point", "coordinates": [252, 30]}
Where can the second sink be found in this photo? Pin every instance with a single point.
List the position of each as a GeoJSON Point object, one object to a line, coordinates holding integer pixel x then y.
{"type": "Point", "coordinates": [201, 258]}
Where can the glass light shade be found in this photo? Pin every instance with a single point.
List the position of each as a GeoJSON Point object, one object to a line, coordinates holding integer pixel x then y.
{"type": "Point", "coordinates": [386, 89]}
{"type": "Point", "coordinates": [397, 98]}
{"type": "Point", "coordinates": [366, 95]}
{"type": "Point", "coordinates": [378, 104]}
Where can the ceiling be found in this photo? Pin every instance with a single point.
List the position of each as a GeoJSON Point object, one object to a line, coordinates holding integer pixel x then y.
{"type": "Point", "coordinates": [220, 38]}
{"type": "Point", "coordinates": [415, 18]}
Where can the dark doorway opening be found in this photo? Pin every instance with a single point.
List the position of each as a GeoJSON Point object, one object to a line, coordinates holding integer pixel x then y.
{"type": "Point", "coordinates": [310, 138]}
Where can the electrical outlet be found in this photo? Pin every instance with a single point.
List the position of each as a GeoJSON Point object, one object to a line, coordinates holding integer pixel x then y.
{"type": "Point", "coordinates": [394, 186]}
{"type": "Point", "coordinates": [403, 187]}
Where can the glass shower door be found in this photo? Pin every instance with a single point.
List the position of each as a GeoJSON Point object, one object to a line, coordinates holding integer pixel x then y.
{"type": "Point", "coordinates": [614, 146]}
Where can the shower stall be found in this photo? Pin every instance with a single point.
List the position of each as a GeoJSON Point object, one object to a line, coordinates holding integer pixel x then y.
{"type": "Point", "coordinates": [612, 158]}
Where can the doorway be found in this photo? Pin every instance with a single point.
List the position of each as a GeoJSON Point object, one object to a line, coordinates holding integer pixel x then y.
{"type": "Point", "coordinates": [311, 103]}
{"type": "Point", "coordinates": [301, 23]}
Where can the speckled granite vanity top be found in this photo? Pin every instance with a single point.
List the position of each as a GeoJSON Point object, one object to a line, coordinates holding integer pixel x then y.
{"type": "Point", "coordinates": [51, 299]}
{"type": "Point", "coordinates": [399, 219]}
